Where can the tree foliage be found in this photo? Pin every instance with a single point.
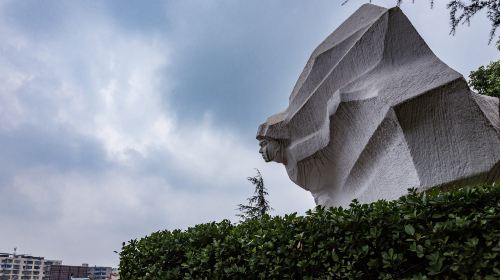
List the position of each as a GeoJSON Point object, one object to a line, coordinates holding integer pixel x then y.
{"type": "Point", "coordinates": [461, 12]}
{"type": "Point", "coordinates": [258, 205]}
{"type": "Point", "coordinates": [437, 235]}
{"type": "Point", "coordinates": [486, 80]}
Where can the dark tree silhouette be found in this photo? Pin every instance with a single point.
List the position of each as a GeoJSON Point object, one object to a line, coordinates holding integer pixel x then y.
{"type": "Point", "coordinates": [462, 11]}
{"type": "Point", "coordinates": [258, 205]}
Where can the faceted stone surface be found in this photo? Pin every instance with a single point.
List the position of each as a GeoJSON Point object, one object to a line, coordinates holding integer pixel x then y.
{"type": "Point", "coordinates": [375, 112]}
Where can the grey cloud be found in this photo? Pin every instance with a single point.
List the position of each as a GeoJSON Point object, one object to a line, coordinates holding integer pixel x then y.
{"type": "Point", "coordinates": [38, 151]}
{"type": "Point", "coordinates": [234, 61]}
{"type": "Point", "coordinates": [140, 16]}
{"type": "Point", "coordinates": [241, 59]}
{"type": "Point", "coordinates": [56, 147]}
{"type": "Point", "coordinates": [17, 207]}
{"type": "Point", "coordinates": [37, 18]}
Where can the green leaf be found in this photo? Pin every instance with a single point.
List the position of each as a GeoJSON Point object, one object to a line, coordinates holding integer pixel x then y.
{"type": "Point", "coordinates": [335, 257]}
{"type": "Point", "coordinates": [371, 241]}
{"type": "Point", "coordinates": [409, 229]}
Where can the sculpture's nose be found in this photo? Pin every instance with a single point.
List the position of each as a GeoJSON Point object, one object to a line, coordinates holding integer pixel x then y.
{"type": "Point", "coordinates": [262, 145]}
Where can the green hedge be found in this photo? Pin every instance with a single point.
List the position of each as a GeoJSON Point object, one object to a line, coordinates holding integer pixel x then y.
{"type": "Point", "coordinates": [449, 235]}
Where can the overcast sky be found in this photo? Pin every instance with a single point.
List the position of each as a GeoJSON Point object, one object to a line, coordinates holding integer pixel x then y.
{"type": "Point", "coordinates": [120, 118]}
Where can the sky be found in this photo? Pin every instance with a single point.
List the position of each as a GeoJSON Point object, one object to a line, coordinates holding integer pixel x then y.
{"type": "Point", "coordinates": [121, 118]}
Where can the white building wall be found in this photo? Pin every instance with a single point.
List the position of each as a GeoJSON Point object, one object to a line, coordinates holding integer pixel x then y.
{"type": "Point", "coordinates": [24, 267]}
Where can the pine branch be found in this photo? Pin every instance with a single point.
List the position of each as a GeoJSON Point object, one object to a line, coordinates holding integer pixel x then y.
{"type": "Point", "coordinates": [461, 13]}
{"type": "Point", "coordinates": [257, 206]}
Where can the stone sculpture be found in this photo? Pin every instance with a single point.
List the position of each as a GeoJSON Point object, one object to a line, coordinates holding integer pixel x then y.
{"type": "Point", "coordinates": [375, 112]}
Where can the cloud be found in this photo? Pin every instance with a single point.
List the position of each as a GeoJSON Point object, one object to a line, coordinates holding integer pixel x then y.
{"type": "Point", "coordinates": [117, 120]}
{"type": "Point", "coordinates": [93, 151]}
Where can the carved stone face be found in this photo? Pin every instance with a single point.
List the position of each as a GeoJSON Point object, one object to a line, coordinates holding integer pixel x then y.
{"type": "Point", "coordinates": [271, 150]}
{"type": "Point", "coordinates": [263, 143]}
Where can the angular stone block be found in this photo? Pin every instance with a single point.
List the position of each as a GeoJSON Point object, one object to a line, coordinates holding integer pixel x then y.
{"type": "Point", "coordinates": [375, 112]}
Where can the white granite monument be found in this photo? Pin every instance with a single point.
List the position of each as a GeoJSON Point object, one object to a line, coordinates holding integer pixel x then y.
{"type": "Point", "coordinates": [375, 112]}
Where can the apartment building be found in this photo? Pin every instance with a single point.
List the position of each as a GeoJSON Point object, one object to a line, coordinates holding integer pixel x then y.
{"type": "Point", "coordinates": [47, 267]}
{"type": "Point", "coordinates": [65, 272]}
{"type": "Point", "coordinates": [115, 274]}
{"type": "Point", "coordinates": [100, 272]}
{"type": "Point", "coordinates": [24, 267]}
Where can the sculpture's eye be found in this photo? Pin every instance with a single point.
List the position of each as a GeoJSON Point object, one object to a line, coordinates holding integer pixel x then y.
{"type": "Point", "coordinates": [263, 143]}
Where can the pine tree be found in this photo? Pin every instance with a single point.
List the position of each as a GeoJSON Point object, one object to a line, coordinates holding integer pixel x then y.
{"type": "Point", "coordinates": [258, 206]}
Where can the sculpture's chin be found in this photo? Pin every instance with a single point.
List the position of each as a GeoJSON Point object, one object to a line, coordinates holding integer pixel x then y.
{"type": "Point", "coordinates": [265, 157]}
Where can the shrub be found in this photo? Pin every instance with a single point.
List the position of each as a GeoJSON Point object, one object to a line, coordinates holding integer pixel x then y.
{"type": "Point", "coordinates": [486, 80]}
{"type": "Point", "coordinates": [448, 235]}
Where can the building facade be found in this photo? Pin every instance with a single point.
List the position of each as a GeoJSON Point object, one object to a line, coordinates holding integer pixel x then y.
{"type": "Point", "coordinates": [24, 267]}
{"type": "Point", "coordinates": [66, 272]}
{"type": "Point", "coordinates": [115, 274]}
{"type": "Point", "coordinates": [100, 272]}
